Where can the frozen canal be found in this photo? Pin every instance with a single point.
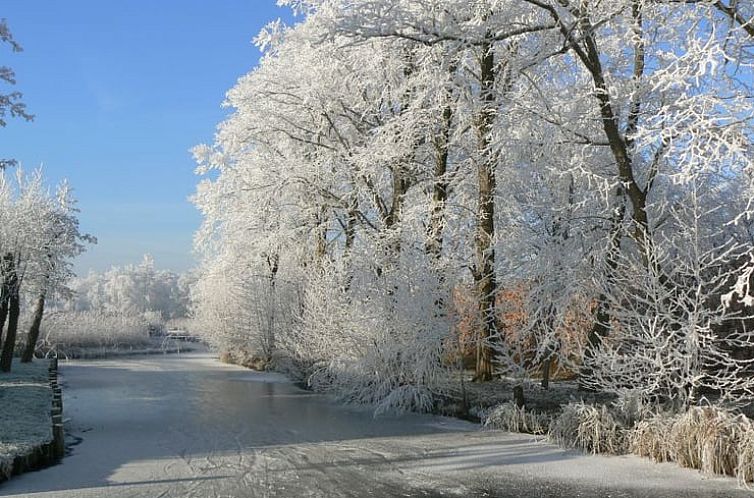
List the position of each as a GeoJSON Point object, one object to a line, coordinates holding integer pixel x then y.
{"type": "Point", "coordinates": [188, 426]}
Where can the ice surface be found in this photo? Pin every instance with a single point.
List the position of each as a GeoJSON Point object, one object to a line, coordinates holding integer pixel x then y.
{"type": "Point", "coordinates": [184, 426]}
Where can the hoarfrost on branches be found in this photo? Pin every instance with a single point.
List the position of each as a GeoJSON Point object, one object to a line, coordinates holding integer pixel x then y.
{"type": "Point", "coordinates": [537, 189]}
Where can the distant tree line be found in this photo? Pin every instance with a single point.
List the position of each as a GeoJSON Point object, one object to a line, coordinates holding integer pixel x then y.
{"type": "Point", "coordinates": [131, 290]}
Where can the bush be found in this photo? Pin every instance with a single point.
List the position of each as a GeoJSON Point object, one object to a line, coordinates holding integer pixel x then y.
{"type": "Point", "coordinates": [155, 323]}
{"type": "Point", "coordinates": [745, 460]}
{"type": "Point", "coordinates": [708, 439]}
{"type": "Point", "coordinates": [245, 359]}
{"type": "Point", "coordinates": [589, 428]}
{"type": "Point", "coordinates": [509, 417]}
{"type": "Point", "coordinates": [649, 438]}
{"type": "Point", "coordinates": [378, 341]}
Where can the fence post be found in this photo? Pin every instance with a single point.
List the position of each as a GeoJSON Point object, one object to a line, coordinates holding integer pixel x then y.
{"type": "Point", "coordinates": [58, 433]}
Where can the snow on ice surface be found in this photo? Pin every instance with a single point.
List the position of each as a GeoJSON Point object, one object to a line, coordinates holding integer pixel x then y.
{"type": "Point", "coordinates": [187, 426]}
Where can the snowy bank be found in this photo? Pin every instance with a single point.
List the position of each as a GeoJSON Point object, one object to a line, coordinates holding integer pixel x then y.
{"type": "Point", "coordinates": [28, 438]}
{"type": "Point", "coordinates": [153, 346]}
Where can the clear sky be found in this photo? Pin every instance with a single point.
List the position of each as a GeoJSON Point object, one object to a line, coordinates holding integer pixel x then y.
{"type": "Point", "coordinates": [121, 90]}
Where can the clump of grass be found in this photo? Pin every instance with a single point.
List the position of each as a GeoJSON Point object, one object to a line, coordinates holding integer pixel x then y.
{"type": "Point", "coordinates": [245, 358]}
{"type": "Point", "coordinates": [745, 460]}
{"type": "Point", "coordinates": [510, 417]}
{"type": "Point", "coordinates": [685, 436]}
{"type": "Point", "coordinates": [708, 439]}
{"type": "Point", "coordinates": [589, 428]}
{"type": "Point", "coordinates": [713, 440]}
{"type": "Point", "coordinates": [649, 438]}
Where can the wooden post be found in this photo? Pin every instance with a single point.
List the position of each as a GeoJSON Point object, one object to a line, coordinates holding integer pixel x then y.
{"type": "Point", "coordinates": [58, 433]}
{"type": "Point", "coordinates": [57, 397]}
{"type": "Point", "coordinates": [58, 438]}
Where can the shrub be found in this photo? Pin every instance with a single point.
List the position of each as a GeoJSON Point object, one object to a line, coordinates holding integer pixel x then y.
{"type": "Point", "coordinates": [589, 428]}
{"type": "Point", "coordinates": [708, 438]}
{"type": "Point", "coordinates": [246, 359]}
{"type": "Point", "coordinates": [745, 460]}
{"type": "Point", "coordinates": [155, 323]}
{"type": "Point", "coordinates": [711, 439]}
{"type": "Point", "coordinates": [509, 417]}
{"type": "Point", "coordinates": [649, 438]}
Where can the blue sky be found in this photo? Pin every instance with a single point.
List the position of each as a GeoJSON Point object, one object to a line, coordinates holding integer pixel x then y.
{"type": "Point", "coordinates": [121, 90]}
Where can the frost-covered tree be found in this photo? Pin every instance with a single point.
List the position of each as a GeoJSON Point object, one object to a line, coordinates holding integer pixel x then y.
{"type": "Point", "coordinates": [317, 174]}
{"type": "Point", "coordinates": [584, 164]}
{"type": "Point", "coordinates": [60, 242]}
{"type": "Point", "coordinates": [130, 290]}
{"type": "Point", "coordinates": [673, 122]}
{"type": "Point", "coordinates": [38, 237]}
{"type": "Point", "coordinates": [10, 103]}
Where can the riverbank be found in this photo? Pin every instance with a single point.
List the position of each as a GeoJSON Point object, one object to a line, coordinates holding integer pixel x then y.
{"type": "Point", "coordinates": [714, 441]}
{"type": "Point", "coordinates": [153, 346]}
{"type": "Point", "coordinates": [473, 400]}
{"type": "Point", "coordinates": [28, 438]}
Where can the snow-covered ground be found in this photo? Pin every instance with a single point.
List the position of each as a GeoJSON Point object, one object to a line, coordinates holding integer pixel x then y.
{"type": "Point", "coordinates": [25, 403]}
{"type": "Point", "coordinates": [188, 426]}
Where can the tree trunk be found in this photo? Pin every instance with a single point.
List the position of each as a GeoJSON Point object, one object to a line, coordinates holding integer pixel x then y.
{"type": "Point", "coordinates": [546, 367]}
{"type": "Point", "coordinates": [440, 192]}
{"type": "Point", "coordinates": [518, 396]}
{"type": "Point", "coordinates": [273, 262]}
{"type": "Point", "coordinates": [621, 143]}
{"type": "Point", "coordinates": [4, 296]}
{"type": "Point", "coordinates": [320, 250]}
{"type": "Point", "coordinates": [14, 310]}
{"type": "Point", "coordinates": [484, 273]}
{"type": "Point", "coordinates": [349, 230]}
{"type": "Point", "coordinates": [33, 337]}
{"type": "Point", "coordinates": [440, 187]}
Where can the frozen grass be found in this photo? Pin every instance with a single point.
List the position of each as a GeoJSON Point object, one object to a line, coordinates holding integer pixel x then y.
{"type": "Point", "coordinates": [710, 439]}
{"type": "Point", "coordinates": [589, 428]}
{"type": "Point", "coordinates": [25, 402]}
{"type": "Point", "coordinates": [245, 359]}
{"type": "Point", "coordinates": [745, 464]}
{"type": "Point", "coordinates": [706, 439]}
{"type": "Point", "coordinates": [509, 417]}
{"type": "Point", "coordinates": [76, 334]}
{"type": "Point", "coordinates": [649, 438]}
